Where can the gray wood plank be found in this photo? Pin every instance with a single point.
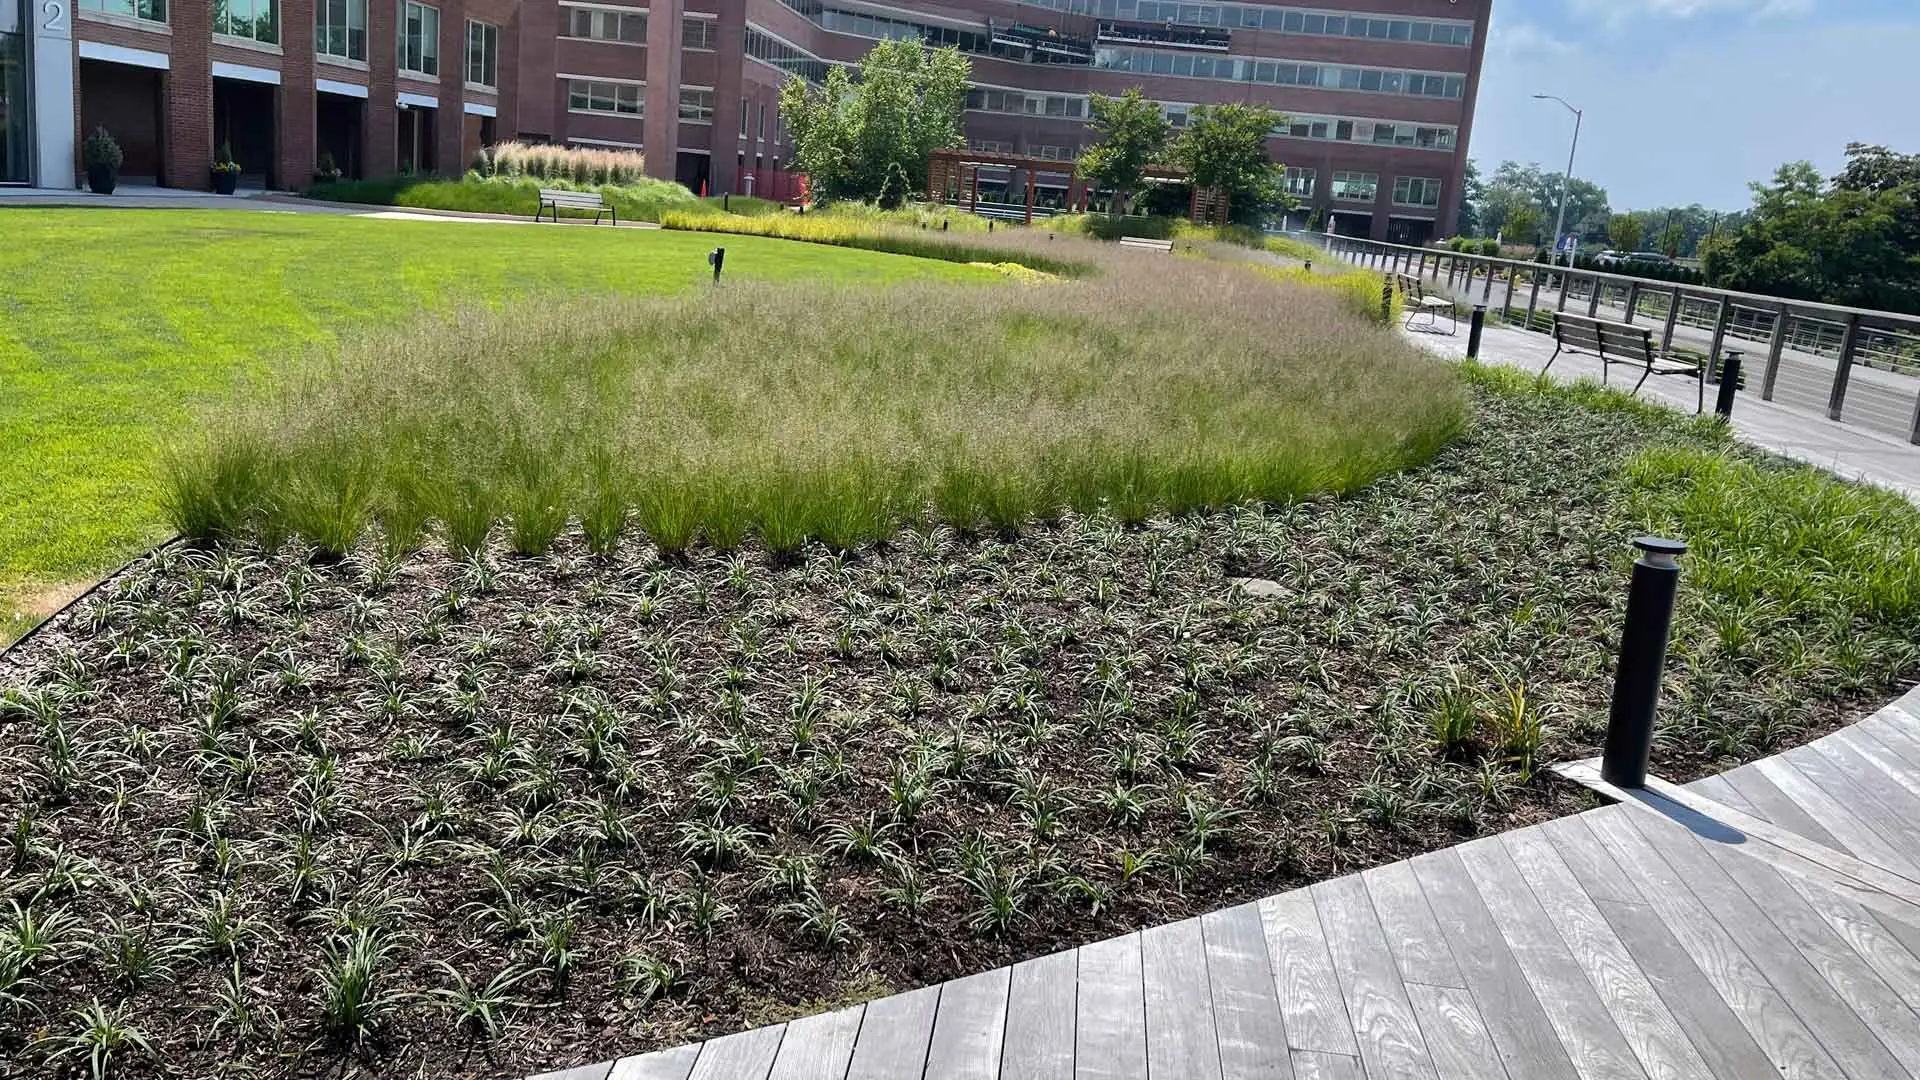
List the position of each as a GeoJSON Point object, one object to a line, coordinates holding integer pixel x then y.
{"type": "Point", "coordinates": [1376, 995]}
{"type": "Point", "coordinates": [1586, 1029]}
{"type": "Point", "coordinates": [744, 1055]}
{"type": "Point", "coordinates": [1651, 1032]}
{"type": "Point", "coordinates": [1592, 867]}
{"type": "Point", "coordinates": [1246, 1010]}
{"type": "Point", "coordinates": [1110, 1034]}
{"type": "Point", "coordinates": [1844, 1034]}
{"type": "Point", "coordinates": [1040, 1003]}
{"type": "Point", "coordinates": [1854, 834]}
{"type": "Point", "coordinates": [1904, 748]}
{"type": "Point", "coordinates": [1514, 1018]}
{"type": "Point", "coordinates": [894, 1035]}
{"type": "Point", "coordinates": [1716, 788]}
{"type": "Point", "coordinates": [671, 1064]}
{"type": "Point", "coordinates": [1311, 1007]}
{"type": "Point", "coordinates": [1837, 763]}
{"type": "Point", "coordinates": [1181, 1038]}
{"type": "Point", "coordinates": [1879, 941]}
{"type": "Point", "coordinates": [597, 1071]}
{"type": "Point", "coordinates": [1754, 1003]}
{"type": "Point", "coordinates": [1876, 752]}
{"type": "Point", "coordinates": [1456, 1037]}
{"type": "Point", "coordinates": [1768, 803]}
{"type": "Point", "coordinates": [1419, 949]}
{"type": "Point", "coordinates": [1314, 1065]}
{"type": "Point", "coordinates": [818, 1047]}
{"type": "Point", "coordinates": [1852, 979]}
{"type": "Point", "coordinates": [1873, 768]}
{"type": "Point", "coordinates": [968, 1027]}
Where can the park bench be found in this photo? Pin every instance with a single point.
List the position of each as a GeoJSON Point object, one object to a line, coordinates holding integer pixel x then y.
{"type": "Point", "coordinates": [1420, 302]}
{"type": "Point", "coordinates": [1623, 343]}
{"type": "Point", "coordinates": [574, 200]}
{"type": "Point", "coordinates": [1146, 243]}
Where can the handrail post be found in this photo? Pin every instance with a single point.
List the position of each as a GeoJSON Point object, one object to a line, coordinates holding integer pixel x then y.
{"type": "Point", "coordinates": [1506, 306]}
{"type": "Point", "coordinates": [1836, 401]}
{"type": "Point", "coordinates": [1721, 314]}
{"type": "Point", "coordinates": [1633, 301]}
{"type": "Point", "coordinates": [1593, 297]}
{"type": "Point", "coordinates": [1775, 345]}
{"type": "Point", "coordinates": [1486, 291]}
{"type": "Point", "coordinates": [1673, 316]}
{"type": "Point", "coordinates": [1533, 295]}
{"type": "Point", "coordinates": [1643, 661]}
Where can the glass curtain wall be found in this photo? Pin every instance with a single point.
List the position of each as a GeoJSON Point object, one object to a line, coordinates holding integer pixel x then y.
{"type": "Point", "coordinates": [16, 109]}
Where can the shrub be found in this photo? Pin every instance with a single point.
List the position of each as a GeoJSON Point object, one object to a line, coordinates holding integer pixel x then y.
{"type": "Point", "coordinates": [1490, 246]}
{"type": "Point", "coordinates": [642, 201]}
{"type": "Point", "coordinates": [103, 149]}
{"type": "Point", "coordinates": [1025, 247]}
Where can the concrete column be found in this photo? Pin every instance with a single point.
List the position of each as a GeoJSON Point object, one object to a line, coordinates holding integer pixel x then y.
{"type": "Point", "coordinates": [450, 123]}
{"type": "Point", "coordinates": [662, 129]}
{"type": "Point", "coordinates": [189, 124]}
{"type": "Point", "coordinates": [728, 85]}
{"type": "Point", "coordinates": [54, 116]}
{"type": "Point", "coordinates": [295, 121]}
{"type": "Point", "coordinates": [379, 127]}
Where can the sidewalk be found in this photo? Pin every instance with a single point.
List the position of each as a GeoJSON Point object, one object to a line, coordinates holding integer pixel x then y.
{"type": "Point", "coordinates": [1844, 449]}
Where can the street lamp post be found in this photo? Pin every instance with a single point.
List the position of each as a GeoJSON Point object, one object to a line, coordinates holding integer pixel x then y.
{"type": "Point", "coordinates": [1566, 182]}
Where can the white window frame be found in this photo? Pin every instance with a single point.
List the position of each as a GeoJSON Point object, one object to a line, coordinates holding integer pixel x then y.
{"type": "Point", "coordinates": [639, 95]}
{"type": "Point", "coordinates": [1403, 191]}
{"type": "Point", "coordinates": [566, 22]}
{"type": "Point", "coordinates": [709, 39]}
{"type": "Point", "coordinates": [1353, 176]}
{"type": "Point", "coordinates": [489, 57]}
{"type": "Point", "coordinates": [250, 39]}
{"type": "Point", "coordinates": [125, 11]}
{"type": "Point", "coordinates": [322, 27]}
{"type": "Point", "coordinates": [429, 66]}
{"type": "Point", "coordinates": [711, 102]}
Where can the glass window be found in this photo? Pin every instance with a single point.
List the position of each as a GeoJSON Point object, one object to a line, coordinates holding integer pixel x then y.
{"type": "Point", "coordinates": [1416, 191]}
{"type": "Point", "coordinates": [696, 105]}
{"type": "Point", "coordinates": [340, 28]}
{"type": "Point", "coordinates": [419, 38]}
{"type": "Point", "coordinates": [255, 20]}
{"type": "Point", "coordinates": [149, 10]}
{"type": "Point", "coordinates": [1356, 186]}
{"type": "Point", "coordinates": [698, 33]}
{"type": "Point", "coordinates": [1299, 182]}
{"type": "Point", "coordinates": [483, 53]}
{"type": "Point", "coordinates": [620, 99]}
{"type": "Point", "coordinates": [598, 25]}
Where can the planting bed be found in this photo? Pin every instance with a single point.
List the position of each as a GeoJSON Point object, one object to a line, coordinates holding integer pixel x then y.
{"type": "Point", "coordinates": [465, 817]}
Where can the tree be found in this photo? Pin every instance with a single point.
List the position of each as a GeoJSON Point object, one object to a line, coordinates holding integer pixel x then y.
{"type": "Point", "coordinates": [871, 139]}
{"type": "Point", "coordinates": [1473, 193]}
{"type": "Point", "coordinates": [1513, 184]}
{"type": "Point", "coordinates": [1854, 241]}
{"type": "Point", "coordinates": [1133, 135]}
{"type": "Point", "coordinates": [1625, 231]}
{"type": "Point", "coordinates": [1225, 147]}
{"type": "Point", "coordinates": [1522, 225]}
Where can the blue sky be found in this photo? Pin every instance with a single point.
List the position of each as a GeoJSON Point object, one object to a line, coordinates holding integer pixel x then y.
{"type": "Point", "coordinates": [1688, 100]}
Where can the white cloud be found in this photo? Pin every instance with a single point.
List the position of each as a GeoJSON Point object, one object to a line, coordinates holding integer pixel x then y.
{"type": "Point", "coordinates": [1695, 117]}
{"type": "Point", "coordinates": [1621, 14]}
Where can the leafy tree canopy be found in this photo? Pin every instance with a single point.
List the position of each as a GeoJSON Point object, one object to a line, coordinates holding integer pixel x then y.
{"type": "Point", "coordinates": [1515, 185]}
{"type": "Point", "coordinates": [870, 139]}
{"type": "Point", "coordinates": [1132, 134]}
{"type": "Point", "coordinates": [1225, 147]}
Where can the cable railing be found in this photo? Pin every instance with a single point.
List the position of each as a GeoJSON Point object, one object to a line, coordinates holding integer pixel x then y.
{"type": "Point", "coordinates": [1812, 350]}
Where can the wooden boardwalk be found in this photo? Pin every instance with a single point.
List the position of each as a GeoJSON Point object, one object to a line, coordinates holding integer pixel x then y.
{"type": "Point", "coordinates": [1761, 923]}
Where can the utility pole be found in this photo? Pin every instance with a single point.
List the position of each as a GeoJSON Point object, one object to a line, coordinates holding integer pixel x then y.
{"type": "Point", "coordinates": [1566, 182]}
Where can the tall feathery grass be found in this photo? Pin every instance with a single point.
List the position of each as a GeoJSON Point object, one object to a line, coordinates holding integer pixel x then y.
{"type": "Point", "coordinates": [577, 164]}
{"type": "Point", "coordinates": [834, 413]}
{"type": "Point", "coordinates": [1034, 248]}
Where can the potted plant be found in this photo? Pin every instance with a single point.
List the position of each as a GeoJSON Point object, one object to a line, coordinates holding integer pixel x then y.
{"type": "Point", "coordinates": [103, 159]}
{"type": "Point", "coordinates": [326, 172]}
{"type": "Point", "coordinates": [226, 171]}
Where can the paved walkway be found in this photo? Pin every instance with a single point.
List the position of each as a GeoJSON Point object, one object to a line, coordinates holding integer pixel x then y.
{"type": "Point", "coordinates": [1846, 449]}
{"type": "Point", "coordinates": [1763, 923]}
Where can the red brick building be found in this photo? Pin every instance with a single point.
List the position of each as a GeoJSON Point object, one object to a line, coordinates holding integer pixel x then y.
{"type": "Point", "coordinates": [1379, 94]}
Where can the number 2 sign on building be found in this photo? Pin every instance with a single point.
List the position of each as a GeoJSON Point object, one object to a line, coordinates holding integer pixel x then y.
{"type": "Point", "coordinates": [52, 93]}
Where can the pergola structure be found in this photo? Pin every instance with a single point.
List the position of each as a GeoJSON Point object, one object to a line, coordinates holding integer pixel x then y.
{"type": "Point", "coordinates": [953, 176]}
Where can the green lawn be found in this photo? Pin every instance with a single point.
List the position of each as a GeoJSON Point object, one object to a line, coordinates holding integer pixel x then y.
{"type": "Point", "coordinates": [115, 325]}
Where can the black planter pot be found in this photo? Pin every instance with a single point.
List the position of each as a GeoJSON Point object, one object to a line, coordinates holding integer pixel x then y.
{"type": "Point", "coordinates": [224, 181]}
{"type": "Point", "coordinates": [101, 179]}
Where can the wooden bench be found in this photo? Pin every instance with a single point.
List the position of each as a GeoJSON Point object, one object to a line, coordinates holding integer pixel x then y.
{"type": "Point", "coordinates": [1623, 343]}
{"type": "Point", "coordinates": [1146, 243]}
{"type": "Point", "coordinates": [1420, 302]}
{"type": "Point", "coordinates": [554, 199]}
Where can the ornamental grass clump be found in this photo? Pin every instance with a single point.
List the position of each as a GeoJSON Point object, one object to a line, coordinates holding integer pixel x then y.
{"type": "Point", "coordinates": [831, 413]}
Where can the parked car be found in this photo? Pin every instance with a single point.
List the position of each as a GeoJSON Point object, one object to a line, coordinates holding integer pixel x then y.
{"type": "Point", "coordinates": [1607, 260]}
{"type": "Point", "coordinates": [1649, 257]}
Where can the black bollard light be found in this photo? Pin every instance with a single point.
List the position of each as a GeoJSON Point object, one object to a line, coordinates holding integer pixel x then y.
{"type": "Point", "coordinates": [1643, 661]}
{"type": "Point", "coordinates": [717, 258]}
{"type": "Point", "coordinates": [1729, 385]}
{"type": "Point", "coordinates": [943, 224]}
{"type": "Point", "coordinates": [1309, 266]}
{"type": "Point", "coordinates": [989, 224]}
{"type": "Point", "coordinates": [1473, 331]}
{"type": "Point", "coordinates": [726, 202]}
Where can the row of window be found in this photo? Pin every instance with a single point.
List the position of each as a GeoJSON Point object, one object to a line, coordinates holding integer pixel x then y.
{"type": "Point", "coordinates": [339, 30]}
{"type": "Point", "coordinates": [629, 27]}
{"type": "Point", "coordinates": [1279, 20]}
{"type": "Point", "coordinates": [791, 59]}
{"type": "Point", "coordinates": [1377, 132]}
{"type": "Point", "coordinates": [1350, 186]}
{"type": "Point", "coordinates": [980, 42]}
{"type": "Point", "coordinates": [1279, 72]}
{"type": "Point", "coordinates": [985, 99]}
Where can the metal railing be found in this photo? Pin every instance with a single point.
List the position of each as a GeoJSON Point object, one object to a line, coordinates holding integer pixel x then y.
{"type": "Point", "coordinates": [1797, 334]}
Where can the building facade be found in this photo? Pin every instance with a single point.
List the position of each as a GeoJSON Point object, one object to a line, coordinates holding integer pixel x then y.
{"type": "Point", "coordinates": [1378, 94]}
